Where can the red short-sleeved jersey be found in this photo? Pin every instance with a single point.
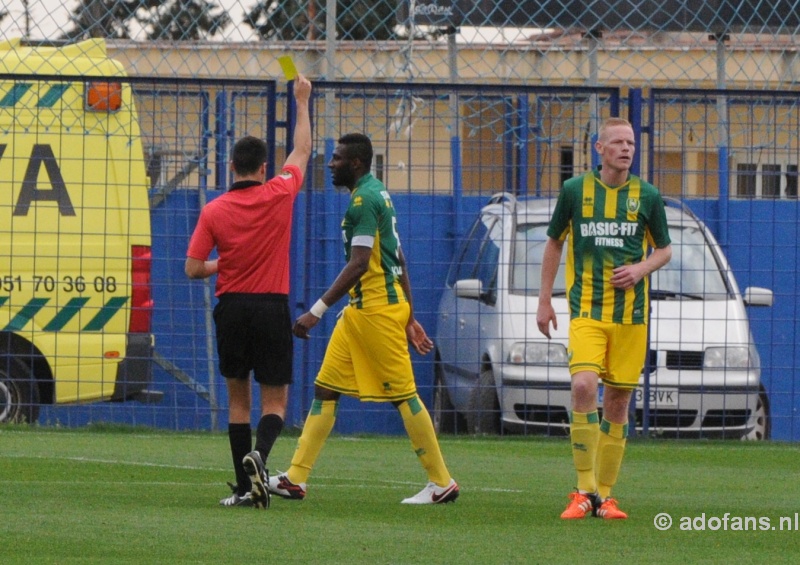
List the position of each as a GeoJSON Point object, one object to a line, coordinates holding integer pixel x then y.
{"type": "Point", "coordinates": [251, 229]}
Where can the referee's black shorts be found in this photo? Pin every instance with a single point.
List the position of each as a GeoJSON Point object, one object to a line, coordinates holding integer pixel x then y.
{"type": "Point", "coordinates": [254, 333]}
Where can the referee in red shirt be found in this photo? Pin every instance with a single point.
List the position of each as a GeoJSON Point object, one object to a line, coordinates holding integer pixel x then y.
{"type": "Point", "coordinates": [250, 226]}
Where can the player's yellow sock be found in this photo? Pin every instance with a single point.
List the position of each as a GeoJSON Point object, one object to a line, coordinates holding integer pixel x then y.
{"type": "Point", "coordinates": [584, 431]}
{"type": "Point", "coordinates": [316, 430]}
{"type": "Point", "coordinates": [610, 450]}
{"type": "Point", "coordinates": [420, 431]}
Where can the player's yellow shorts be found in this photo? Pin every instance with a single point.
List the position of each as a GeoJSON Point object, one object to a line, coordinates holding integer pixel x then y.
{"type": "Point", "coordinates": [367, 355]}
{"type": "Point", "coordinates": [616, 352]}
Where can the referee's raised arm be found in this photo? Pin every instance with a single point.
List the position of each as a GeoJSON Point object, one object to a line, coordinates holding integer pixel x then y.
{"type": "Point", "coordinates": [301, 152]}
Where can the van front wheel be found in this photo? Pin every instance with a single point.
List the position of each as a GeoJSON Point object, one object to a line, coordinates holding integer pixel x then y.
{"type": "Point", "coordinates": [483, 416]}
{"type": "Point", "coordinates": [444, 414]}
{"type": "Point", "coordinates": [19, 395]}
{"type": "Point", "coordinates": [762, 429]}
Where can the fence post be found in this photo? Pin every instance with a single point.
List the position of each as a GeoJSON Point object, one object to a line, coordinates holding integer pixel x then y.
{"type": "Point", "coordinates": [722, 143]}
{"type": "Point", "coordinates": [635, 118]}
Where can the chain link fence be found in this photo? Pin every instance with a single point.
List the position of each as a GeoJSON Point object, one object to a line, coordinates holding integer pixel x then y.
{"type": "Point", "coordinates": [462, 100]}
{"type": "Point", "coordinates": [709, 43]}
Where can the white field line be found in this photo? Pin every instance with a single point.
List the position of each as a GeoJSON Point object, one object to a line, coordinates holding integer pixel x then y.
{"type": "Point", "coordinates": [351, 483]}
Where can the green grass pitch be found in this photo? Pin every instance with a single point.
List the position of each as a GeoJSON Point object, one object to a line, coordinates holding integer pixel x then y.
{"type": "Point", "coordinates": [123, 495]}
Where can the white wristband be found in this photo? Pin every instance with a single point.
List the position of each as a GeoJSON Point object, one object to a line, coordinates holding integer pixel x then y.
{"type": "Point", "coordinates": [319, 308]}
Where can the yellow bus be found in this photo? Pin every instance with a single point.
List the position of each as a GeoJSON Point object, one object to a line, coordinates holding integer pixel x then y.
{"type": "Point", "coordinates": [75, 256]}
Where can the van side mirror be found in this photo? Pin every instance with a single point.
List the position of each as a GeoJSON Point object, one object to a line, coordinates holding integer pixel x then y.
{"type": "Point", "coordinates": [757, 296]}
{"type": "Point", "coordinates": [468, 288]}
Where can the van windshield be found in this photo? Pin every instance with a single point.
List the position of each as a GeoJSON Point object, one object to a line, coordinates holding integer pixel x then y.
{"type": "Point", "coordinates": [526, 270]}
{"type": "Point", "coordinates": [692, 274]}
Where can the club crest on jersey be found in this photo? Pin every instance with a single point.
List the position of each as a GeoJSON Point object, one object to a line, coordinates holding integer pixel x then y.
{"type": "Point", "coordinates": [633, 204]}
{"type": "Point", "coordinates": [357, 201]}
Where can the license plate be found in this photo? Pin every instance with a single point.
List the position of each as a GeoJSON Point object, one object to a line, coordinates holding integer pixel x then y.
{"type": "Point", "coordinates": [659, 397]}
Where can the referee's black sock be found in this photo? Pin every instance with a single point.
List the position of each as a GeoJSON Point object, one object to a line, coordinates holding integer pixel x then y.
{"type": "Point", "coordinates": [269, 428]}
{"type": "Point", "coordinates": [241, 437]}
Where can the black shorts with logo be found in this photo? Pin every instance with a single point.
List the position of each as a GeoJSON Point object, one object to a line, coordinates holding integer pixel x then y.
{"type": "Point", "coordinates": [254, 333]}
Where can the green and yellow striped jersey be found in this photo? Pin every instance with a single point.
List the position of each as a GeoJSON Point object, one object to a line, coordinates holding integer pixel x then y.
{"type": "Point", "coordinates": [607, 227]}
{"type": "Point", "coordinates": [371, 214]}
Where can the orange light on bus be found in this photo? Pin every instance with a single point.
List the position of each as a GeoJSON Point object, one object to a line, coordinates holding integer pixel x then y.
{"type": "Point", "coordinates": [103, 96]}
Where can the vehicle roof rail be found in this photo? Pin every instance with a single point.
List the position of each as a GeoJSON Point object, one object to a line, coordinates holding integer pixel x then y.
{"type": "Point", "coordinates": [501, 196]}
{"type": "Point", "coordinates": [678, 203]}
{"type": "Point", "coordinates": [504, 198]}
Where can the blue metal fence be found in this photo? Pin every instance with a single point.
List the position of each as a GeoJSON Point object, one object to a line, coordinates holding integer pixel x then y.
{"type": "Point", "coordinates": [440, 174]}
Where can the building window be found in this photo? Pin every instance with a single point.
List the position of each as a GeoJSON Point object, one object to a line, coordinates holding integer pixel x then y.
{"type": "Point", "coordinates": [766, 180]}
{"type": "Point", "coordinates": [567, 167]}
{"type": "Point", "coordinates": [746, 180]}
{"type": "Point", "coordinates": [318, 169]}
{"type": "Point", "coordinates": [770, 181]}
{"type": "Point", "coordinates": [791, 181]}
{"type": "Point", "coordinates": [378, 165]}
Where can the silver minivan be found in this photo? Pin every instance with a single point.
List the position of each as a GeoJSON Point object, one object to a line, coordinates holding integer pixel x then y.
{"type": "Point", "coordinates": [496, 372]}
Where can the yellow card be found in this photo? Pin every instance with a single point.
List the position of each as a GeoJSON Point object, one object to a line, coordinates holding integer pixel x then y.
{"type": "Point", "coordinates": [287, 64]}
